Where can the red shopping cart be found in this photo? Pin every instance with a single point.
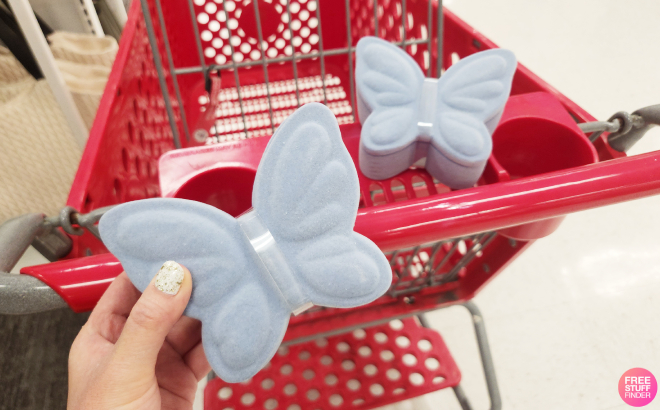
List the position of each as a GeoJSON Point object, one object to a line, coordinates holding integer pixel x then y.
{"type": "Point", "coordinates": [221, 73]}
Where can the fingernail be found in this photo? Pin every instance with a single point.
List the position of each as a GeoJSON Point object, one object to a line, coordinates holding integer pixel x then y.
{"type": "Point", "coordinates": [169, 278]}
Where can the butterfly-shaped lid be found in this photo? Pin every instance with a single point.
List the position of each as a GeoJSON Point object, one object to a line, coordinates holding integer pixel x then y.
{"type": "Point", "coordinates": [454, 116]}
{"type": "Point", "coordinates": [296, 246]}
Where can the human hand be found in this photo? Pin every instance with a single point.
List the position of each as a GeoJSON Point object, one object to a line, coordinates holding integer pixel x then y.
{"type": "Point", "coordinates": [137, 351]}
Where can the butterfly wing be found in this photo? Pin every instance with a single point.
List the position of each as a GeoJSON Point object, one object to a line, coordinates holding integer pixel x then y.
{"type": "Point", "coordinates": [243, 334]}
{"type": "Point", "coordinates": [387, 142]}
{"type": "Point", "coordinates": [343, 270]}
{"type": "Point", "coordinates": [470, 101]}
{"type": "Point", "coordinates": [144, 234]}
{"type": "Point", "coordinates": [243, 317]}
{"type": "Point", "coordinates": [307, 193]}
{"type": "Point", "coordinates": [389, 85]}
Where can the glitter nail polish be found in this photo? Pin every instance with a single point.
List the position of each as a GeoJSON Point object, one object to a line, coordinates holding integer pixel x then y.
{"type": "Point", "coordinates": [169, 278]}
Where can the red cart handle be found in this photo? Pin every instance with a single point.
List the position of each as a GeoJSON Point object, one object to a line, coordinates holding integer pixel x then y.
{"type": "Point", "coordinates": [81, 282]}
{"type": "Point", "coordinates": [505, 204]}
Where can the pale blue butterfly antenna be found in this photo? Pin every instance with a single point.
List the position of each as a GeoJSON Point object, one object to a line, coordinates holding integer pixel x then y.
{"type": "Point", "coordinates": [449, 121]}
{"type": "Point", "coordinates": [295, 248]}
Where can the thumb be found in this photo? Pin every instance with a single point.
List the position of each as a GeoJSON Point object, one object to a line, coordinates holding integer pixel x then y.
{"type": "Point", "coordinates": [151, 319]}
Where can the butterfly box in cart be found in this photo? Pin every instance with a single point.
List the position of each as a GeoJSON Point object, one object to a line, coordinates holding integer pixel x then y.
{"type": "Point", "coordinates": [448, 121]}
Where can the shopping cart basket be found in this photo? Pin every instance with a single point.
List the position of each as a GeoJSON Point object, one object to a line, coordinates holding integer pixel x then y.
{"type": "Point", "coordinates": [222, 72]}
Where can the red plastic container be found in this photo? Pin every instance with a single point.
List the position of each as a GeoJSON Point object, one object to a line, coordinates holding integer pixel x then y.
{"type": "Point", "coordinates": [443, 245]}
{"type": "Point", "coordinates": [536, 135]}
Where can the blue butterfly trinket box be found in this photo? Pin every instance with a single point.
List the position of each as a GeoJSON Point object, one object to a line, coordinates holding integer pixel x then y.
{"type": "Point", "coordinates": [448, 121]}
{"type": "Point", "coordinates": [294, 249]}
